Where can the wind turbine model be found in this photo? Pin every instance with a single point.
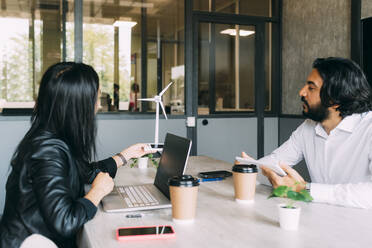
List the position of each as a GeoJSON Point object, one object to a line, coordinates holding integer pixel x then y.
{"type": "Point", "coordinates": [158, 101]}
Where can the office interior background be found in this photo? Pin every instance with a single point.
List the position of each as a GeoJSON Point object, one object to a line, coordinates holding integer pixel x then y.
{"type": "Point", "coordinates": [236, 66]}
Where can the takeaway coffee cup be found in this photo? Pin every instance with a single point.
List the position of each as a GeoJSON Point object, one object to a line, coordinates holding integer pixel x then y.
{"type": "Point", "coordinates": [183, 195]}
{"type": "Point", "coordinates": [142, 162]}
{"type": "Point", "coordinates": [244, 182]}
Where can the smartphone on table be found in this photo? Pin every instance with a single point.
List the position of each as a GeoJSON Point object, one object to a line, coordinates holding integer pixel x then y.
{"type": "Point", "coordinates": [214, 174]}
{"type": "Point", "coordinates": [145, 233]}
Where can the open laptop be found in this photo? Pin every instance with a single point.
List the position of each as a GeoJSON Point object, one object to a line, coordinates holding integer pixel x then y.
{"type": "Point", "coordinates": [152, 196]}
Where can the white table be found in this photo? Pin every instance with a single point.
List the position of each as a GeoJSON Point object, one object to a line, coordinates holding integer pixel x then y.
{"type": "Point", "coordinates": [221, 222]}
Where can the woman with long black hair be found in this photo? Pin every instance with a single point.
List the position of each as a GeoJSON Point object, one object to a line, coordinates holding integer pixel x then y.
{"type": "Point", "coordinates": [45, 190]}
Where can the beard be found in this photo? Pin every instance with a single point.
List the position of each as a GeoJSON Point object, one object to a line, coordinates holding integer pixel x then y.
{"type": "Point", "coordinates": [317, 113]}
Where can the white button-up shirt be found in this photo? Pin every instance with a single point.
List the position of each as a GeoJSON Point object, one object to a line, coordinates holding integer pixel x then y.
{"type": "Point", "coordinates": [339, 164]}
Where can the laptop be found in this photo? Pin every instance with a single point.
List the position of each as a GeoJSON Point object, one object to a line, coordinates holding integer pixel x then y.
{"type": "Point", "coordinates": [173, 162]}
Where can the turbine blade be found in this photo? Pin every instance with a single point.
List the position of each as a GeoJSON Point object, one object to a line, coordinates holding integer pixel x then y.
{"type": "Point", "coordinates": [162, 107]}
{"type": "Point", "coordinates": [146, 99]}
{"type": "Point", "coordinates": [165, 89]}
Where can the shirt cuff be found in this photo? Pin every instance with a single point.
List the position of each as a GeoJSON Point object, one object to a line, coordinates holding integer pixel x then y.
{"type": "Point", "coordinates": [108, 165]}
{"type": "Point", "coordinates": [90, 208]}
{"type": "Point", "coordinates": [321, 192]}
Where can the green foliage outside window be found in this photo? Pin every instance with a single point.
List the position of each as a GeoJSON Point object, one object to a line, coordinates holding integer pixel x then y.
{"type": "Point", "coordinates": [21, 63]}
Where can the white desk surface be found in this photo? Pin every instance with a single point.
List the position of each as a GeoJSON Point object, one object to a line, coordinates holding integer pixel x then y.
{"type": "Point", "coordinates": [221, 222]}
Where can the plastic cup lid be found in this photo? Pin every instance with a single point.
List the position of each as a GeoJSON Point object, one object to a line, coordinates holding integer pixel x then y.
{"type": "Point", "coordinates": [183, 181]}
{"type": "Point", "coordinates": [245, 168]}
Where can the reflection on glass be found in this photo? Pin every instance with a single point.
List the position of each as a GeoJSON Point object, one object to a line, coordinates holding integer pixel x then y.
{"type": "Point", "coordinates": [165, 60]}
{"type": "Point", "coordinates": [107, 46]}
{"type": "Point", "coordinates": [112, 45]}
{"type": "Point", "coordinates": [16, 76]}
{"type": "Point", "coordinates": [268, 67]}
{"type": "Point", "coordinates": [235, 68]}
{"type": "Point", "coordinates": [203, 68]}
{"type": "Point", "coordinates": [30, 42]}
{"type": "Point", "coordinates": [125, 58]}
{"type": "Point", "coordinates": [230, 58]}
{"type": "Point", "coordinates": [38, 34]}
{"type": "Point", "coordinates": [245, 7]}
{"type": "Point", "coordinates": [98, 44]}
{"type": "Point", "coordinates": [152, 75]}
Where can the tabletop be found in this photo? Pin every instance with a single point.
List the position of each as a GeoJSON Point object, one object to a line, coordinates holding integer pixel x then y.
{"type": "Point", "coordinates": [222, 222]}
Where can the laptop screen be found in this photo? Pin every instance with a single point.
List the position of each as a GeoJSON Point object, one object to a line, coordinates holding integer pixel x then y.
{"type": "Point", "coordinates": [172, 162]}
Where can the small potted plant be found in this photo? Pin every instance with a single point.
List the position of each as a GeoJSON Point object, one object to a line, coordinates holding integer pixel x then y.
{"type": "Point", "coordinates": [289, 214]}
{"type": "Point", "coordinates": [143, 161]}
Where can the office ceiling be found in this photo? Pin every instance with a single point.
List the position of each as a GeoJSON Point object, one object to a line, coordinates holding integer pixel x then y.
{"type": "Point", "coordinates": [168, 13]}
{"type": "Point", "coordinates": [106, 8]}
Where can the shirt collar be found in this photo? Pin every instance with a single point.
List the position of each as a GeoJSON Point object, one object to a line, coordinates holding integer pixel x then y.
{"type": "Point", "coordinates": [319, 130]}
{"type": "Point", "coordinates": [347, 124]}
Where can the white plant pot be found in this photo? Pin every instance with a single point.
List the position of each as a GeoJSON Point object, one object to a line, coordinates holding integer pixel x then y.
{"type": "Point", "coordinates": [143, 162]}
{"type": "Point", "coordinates": [289, 218]}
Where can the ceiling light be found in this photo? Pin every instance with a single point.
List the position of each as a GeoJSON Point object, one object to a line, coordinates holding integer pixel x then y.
{"type": "Point", "coordinates": [242, 32]}
{"type": "Point", "coordinates": [136, 4]}
{"type": "Point", "coordinates": [128, 24]}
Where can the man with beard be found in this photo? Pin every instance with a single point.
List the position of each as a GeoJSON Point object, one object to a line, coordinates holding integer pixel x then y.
{"type": "Point", "coordinates": [335, 140]}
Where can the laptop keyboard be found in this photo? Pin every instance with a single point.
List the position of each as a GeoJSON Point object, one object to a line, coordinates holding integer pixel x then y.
{"type": "Point", "coordinates": [137, 196]}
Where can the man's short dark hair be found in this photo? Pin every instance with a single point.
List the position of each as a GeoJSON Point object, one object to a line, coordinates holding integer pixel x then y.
{"type": "Point", "coordinates": [344, 84]}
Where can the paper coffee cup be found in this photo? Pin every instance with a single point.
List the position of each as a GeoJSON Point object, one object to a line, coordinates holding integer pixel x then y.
{"type": "Point", "coordinates": [183, 195]}
{"type": "Point", "coordinates": [143, 162]}
{"type": "Point", "coordinates": [244, 182]}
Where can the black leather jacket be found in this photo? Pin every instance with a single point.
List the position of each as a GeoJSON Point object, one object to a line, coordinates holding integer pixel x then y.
{"type": "Point", "coordinates": [44, 194]}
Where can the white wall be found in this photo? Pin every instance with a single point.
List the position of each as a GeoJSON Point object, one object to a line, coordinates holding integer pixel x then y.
{"type": "Point", "coordinates": [232, 136]}
{"type": "Point", "coordinates": [225, 138]}
{"type": "Point", "coordinates": [286, 127]}
{"type": "Point", "coordinates": [112, 137]}
{"type": "Point", "coordinates": [11, 132]}
{"type": "Point", "coordinates": [271, 134]}
{"type": "Point", "coordinates": [115, 135]}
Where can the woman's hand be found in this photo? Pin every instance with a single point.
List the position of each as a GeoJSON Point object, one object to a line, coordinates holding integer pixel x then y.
{"type": "Point", "coordinates": [135, 151]}
{"type": "Point", "coordinates": [101, 186]}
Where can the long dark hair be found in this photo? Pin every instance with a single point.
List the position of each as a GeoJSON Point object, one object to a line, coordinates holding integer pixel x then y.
{"type": "Point", "coordinates": [65, 107]}
{"type": "Point", "coordinates": [344, 84]}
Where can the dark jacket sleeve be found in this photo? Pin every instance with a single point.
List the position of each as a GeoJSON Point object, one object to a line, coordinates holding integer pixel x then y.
{"type": "Point", "coordinates": [55, 186]}
{"type": "Point", "coordinates": [107, 165]}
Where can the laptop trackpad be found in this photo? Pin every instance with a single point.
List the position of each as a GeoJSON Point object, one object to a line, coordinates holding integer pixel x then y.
{"type": "Point", "coordinates": [113, 201]}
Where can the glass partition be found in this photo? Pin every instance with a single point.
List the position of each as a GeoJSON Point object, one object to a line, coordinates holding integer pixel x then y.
{"type": "Point", "coordinates": [37, 34]}
{"type": "Point", "coordinates": [242, 7]}
{"type": "Point", "coordinates": [227, 62]}
{"type": "Point", "coordinates": [113, 38]}
{"type": "Point", "coordinates": [32, 39]}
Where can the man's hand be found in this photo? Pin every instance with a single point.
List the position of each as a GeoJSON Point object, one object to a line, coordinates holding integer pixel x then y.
{"type": "Point", "coordinates": [244, 155]}
{"type": "Point", "coordinates": [293, 179]}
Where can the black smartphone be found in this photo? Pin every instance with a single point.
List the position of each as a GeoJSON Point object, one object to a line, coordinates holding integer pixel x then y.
{"type": "Point", "coordinates": [215, 174]}
{"type": "Point", "coordinates": [154, 147]}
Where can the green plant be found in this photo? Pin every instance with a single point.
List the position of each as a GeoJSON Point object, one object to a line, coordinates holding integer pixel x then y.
{"type": "Point", "coordinates": [292, 196]}
{"type": "Point", "coordinates": [154, 162]}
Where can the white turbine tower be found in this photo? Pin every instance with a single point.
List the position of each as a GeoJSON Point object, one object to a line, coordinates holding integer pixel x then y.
{"type": "Point", "coordinates": [158, 101]}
